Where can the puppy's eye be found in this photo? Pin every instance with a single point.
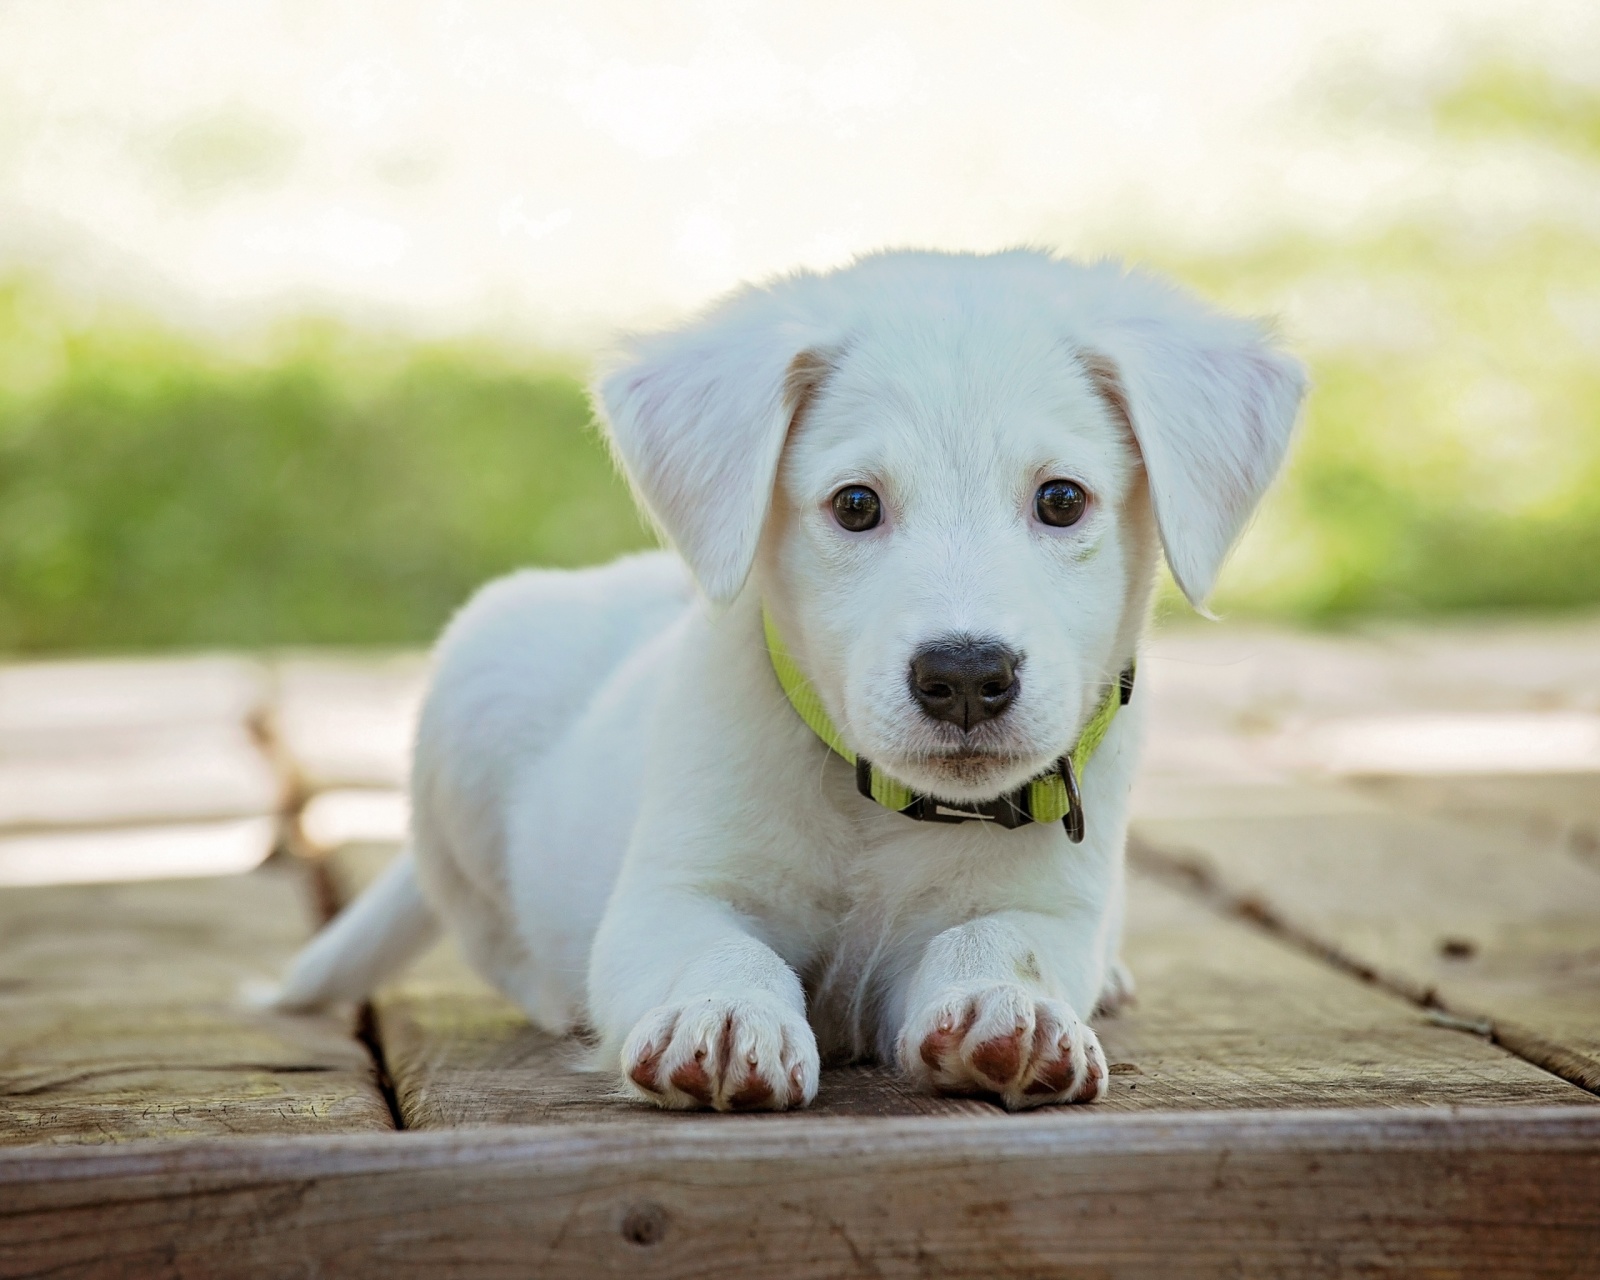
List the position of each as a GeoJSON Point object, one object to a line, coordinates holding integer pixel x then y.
{"type": "Point", "coordinates": [857, 508]}
{"type": "Point", "coordinates": [1060, 502]}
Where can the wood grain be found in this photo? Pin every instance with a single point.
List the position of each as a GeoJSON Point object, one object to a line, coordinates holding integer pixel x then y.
{"type": "Point", "coordinates": [1505, 1193]}
{"type": "Point", "coordinates": [1227, 1019]}
{"type": "Point", "coordinates": [1476, 918]}
{"type": "Point", "coordinates": [121, 1017]}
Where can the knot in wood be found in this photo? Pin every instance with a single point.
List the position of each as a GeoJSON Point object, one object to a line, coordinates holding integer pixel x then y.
{"type": "Point", "coordinates": [644, 1224]}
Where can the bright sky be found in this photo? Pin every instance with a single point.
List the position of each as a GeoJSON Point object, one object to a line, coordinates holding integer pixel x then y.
{"type": "Point", "coordinates": [559, 168]}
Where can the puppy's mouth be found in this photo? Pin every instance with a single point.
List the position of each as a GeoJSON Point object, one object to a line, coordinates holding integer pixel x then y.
{"type": "Point", "coordinates": [969, 770]}
{"type": "Point", "coordinates": [969, 766]}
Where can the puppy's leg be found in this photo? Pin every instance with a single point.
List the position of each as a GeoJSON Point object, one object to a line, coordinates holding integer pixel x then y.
{"type": "Point", "coordinates": [988, 1013]}
{"type": "Point", "coordinates": [705, 1014]}
{"type": "Point", "coordinates": [1117, 988]}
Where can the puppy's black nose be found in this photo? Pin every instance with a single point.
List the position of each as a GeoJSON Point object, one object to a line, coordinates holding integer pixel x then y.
{"type": "Point", "coordinates": [965, 681]}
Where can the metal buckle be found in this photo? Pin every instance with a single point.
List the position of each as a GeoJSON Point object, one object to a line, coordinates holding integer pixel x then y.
{"type": "Point", "coordinates": [1007, 811]}
{"type": "Point", "coordinates": [1072, 820]}
{"type": "Point", "coordinates": [1003, 812]}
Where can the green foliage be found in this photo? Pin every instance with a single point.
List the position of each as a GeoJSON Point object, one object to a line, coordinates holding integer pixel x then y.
{"type": "Point", "coordinates": [1522, 103]}
{"type": "Point", "coordinates": [154, 494]}
{"type": "Point", "coordinates": [1450, 453]}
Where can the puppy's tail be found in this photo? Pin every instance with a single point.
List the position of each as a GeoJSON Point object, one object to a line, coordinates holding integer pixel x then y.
{"type": "Point", "coordinates": [388, 926]}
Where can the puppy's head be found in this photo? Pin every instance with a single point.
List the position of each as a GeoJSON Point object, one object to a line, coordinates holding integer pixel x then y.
{"type": "Point", "coordinates": [946, 476]}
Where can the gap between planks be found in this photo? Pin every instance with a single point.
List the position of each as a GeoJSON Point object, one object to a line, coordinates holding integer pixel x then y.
{"type": "Point", "coordinates": [328, 903]}
{"type": "Point", "coordinates": [266, 729]}
{"type": "Point", "coordinates": [1195, 878]}
{"type": "Point", "coordinates": [121, 1017]}
{"type": "Point", "coordinates": [1229, 1020]}
{"type": "Point", "coordinates": [1223, 862]}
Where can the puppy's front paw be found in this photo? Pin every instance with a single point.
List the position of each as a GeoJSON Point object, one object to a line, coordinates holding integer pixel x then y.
{"type": "Point", "coordinates": [1004, 1041]}
{"type": "Point", "coordinates": [746, 1052]}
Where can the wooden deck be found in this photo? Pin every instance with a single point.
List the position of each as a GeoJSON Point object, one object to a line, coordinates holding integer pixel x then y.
{"type": "Point", "coordinates": [1365, 919]}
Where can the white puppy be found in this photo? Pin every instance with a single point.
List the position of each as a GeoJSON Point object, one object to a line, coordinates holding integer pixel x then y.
{"type": "Point", "coordinates": [918, 504]}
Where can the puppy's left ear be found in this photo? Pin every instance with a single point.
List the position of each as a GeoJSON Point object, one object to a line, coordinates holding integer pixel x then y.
{"type": "Point", "coordinates": [697, 418]}
{"type": "Point", "coordinates": [1212, 405]}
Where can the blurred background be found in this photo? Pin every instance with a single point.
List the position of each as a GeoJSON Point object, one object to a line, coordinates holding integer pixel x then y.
{"type": "Point", "coordinates": [296, 299]}
{"type": "Point", "coordinates": [297, 304]}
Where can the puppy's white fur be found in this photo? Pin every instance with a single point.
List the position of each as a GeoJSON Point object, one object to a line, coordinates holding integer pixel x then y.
{"type": "Point", "coordinates": [626, 825]}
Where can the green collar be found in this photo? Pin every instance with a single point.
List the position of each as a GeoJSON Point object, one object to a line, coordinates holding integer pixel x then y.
{"type": "Point", "coordinates": [1052, 795]}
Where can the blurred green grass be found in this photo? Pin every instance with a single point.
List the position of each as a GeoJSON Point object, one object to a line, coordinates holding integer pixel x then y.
{"type": "Point", "coordinates": [1449, 457]}
{"type": "Point", "coordinates": [156, 493]}
{"type": "Point", "coordinates": [1450, 454]}
{"type": "Point", "coordinates": [334, 487]}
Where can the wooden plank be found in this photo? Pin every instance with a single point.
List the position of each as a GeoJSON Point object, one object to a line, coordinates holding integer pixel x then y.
{"type": "Point", "coordinates": [1246, 678]}
{"type": "Point", "coordinates": [189, 773]}
{"type": "Point", "coordinates": [1560, 808]}
{"type": "Point", "coordinates": [1237, 703]}
{"type": "Point", "coordinates": [1539, 664]}
{"type": "Point", "coordinates": [1226, 1019]}
{"type": "Point", "coordinates": [86, 744]}
{"type": "Point", "coordinates": [156, 852]}
{"type": "Point", "coordinates": [348, 722]}
{"type": "Point", "coordinates": [121, 1016]}
{"type": "Point", "coordinates": [355, 815]}
{"type": "Point", "coordinates": [1505, 1193]}
{"type": "Point", "coordinates": [1481, 922]}
{"type": "Point", "coordinates": [46, 704]}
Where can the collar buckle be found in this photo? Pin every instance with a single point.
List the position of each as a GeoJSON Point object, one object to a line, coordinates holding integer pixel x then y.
{"type": "Point", "coordinates": [1072, 820]}
{"type": "Point", "coordinates": [1010, 811]}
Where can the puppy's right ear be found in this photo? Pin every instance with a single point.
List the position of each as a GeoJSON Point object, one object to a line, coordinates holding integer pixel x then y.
{"type": "Point", "coordinates": [1212, 405]}
{"type": "Point", "coordinates": [697, 418]}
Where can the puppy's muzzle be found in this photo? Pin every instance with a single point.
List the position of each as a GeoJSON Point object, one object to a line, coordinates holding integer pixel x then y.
{"type": "Point", "coordinates": [964, 681]}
